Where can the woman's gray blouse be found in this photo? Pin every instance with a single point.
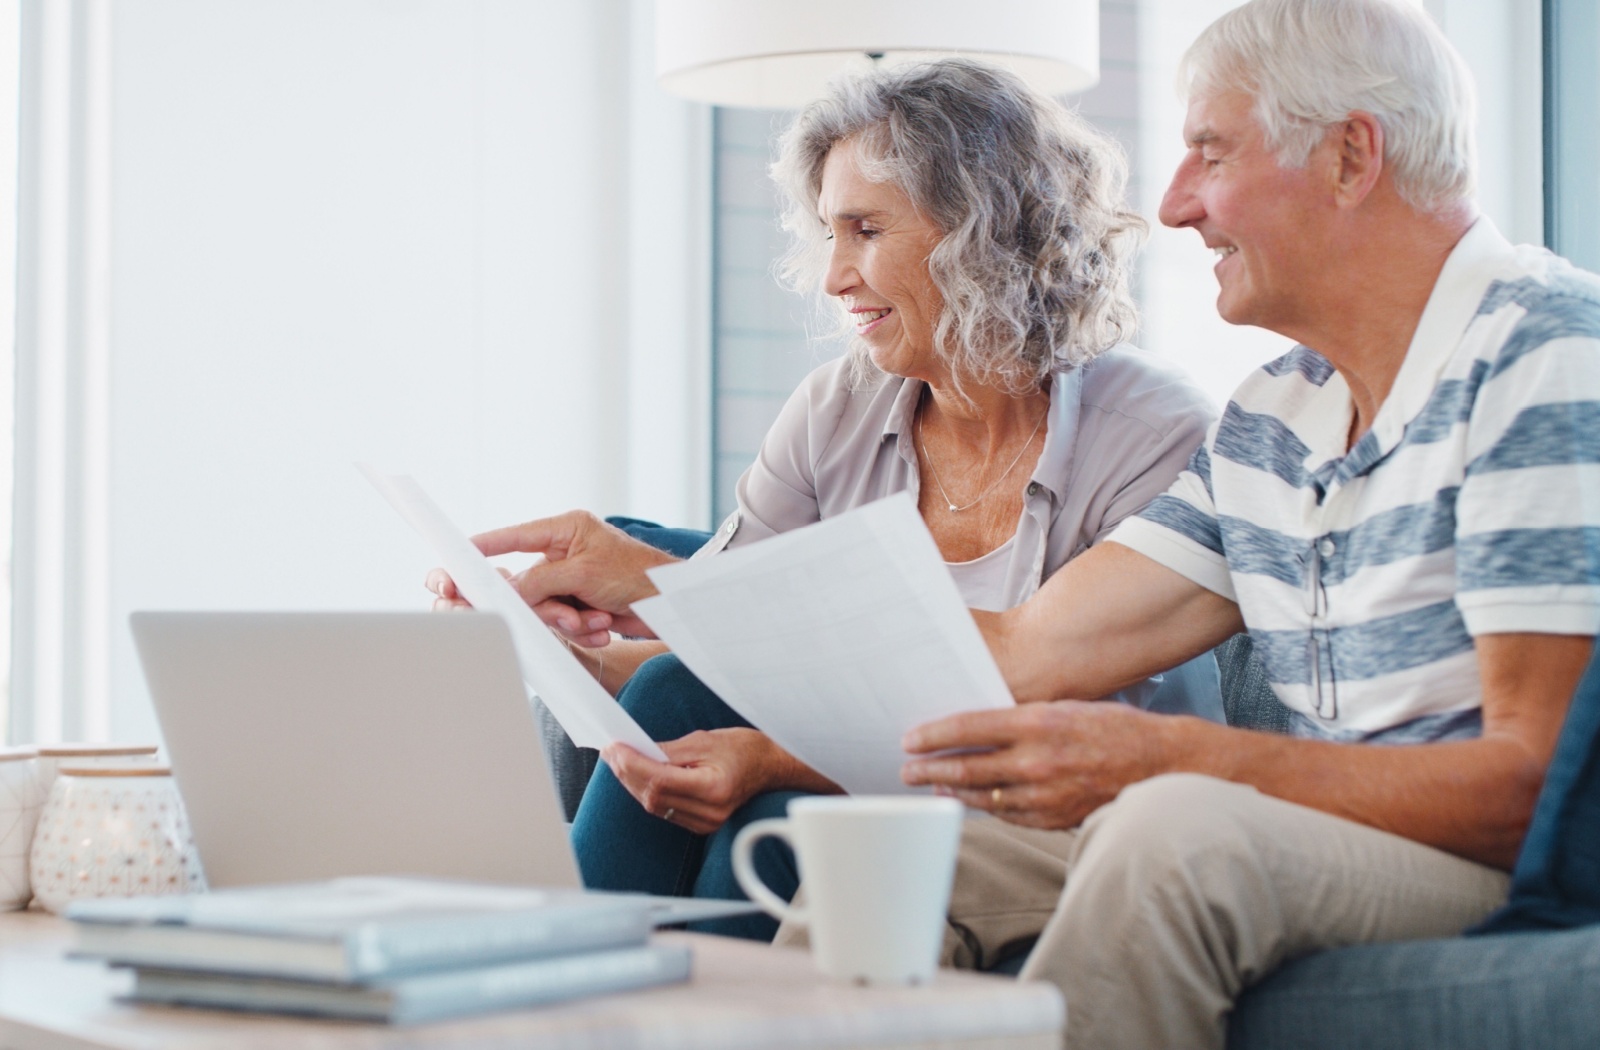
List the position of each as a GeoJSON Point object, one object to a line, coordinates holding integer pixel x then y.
{"type": "Point", "coordinates": [1120, 430]}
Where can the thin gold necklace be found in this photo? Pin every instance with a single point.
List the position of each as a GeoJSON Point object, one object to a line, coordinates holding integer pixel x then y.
{"type": "Point", "coordinates": [933, 471]}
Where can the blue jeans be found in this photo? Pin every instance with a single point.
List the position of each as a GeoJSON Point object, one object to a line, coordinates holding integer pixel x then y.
{"type": "Point", "coordinates": [621, 847]}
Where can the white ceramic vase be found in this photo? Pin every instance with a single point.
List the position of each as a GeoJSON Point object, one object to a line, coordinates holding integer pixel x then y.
{"type": "Point", "coordinates": [113, 831]}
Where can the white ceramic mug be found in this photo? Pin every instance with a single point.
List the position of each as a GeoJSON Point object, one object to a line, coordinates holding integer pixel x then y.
{"type": "Point", "coordinates": [877, 874]}
{"type": "Point", "coordinates": [21, 799]}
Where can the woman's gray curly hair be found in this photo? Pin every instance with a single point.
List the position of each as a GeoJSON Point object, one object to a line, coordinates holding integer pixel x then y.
{"type": "Point", "coordinates": [1037, 244]}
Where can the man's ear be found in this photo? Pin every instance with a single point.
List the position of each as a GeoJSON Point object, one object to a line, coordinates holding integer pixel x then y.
{"type": "Point", "coordinates": [1360, 158]}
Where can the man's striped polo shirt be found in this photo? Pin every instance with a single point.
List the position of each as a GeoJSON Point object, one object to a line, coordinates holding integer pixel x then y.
{"type": "Point", "coordinates": [1471, 506]}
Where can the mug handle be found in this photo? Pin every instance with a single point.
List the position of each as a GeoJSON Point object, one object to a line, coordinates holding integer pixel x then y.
{"type": "Point", "coordinates": [744, 869]}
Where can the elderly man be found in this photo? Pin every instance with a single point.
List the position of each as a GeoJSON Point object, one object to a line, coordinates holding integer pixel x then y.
{"type": "Point", "coordinates": [1402, 513]}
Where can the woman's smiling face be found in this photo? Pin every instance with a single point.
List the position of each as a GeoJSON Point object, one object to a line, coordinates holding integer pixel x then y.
{"type": "Point", "coordinates": [878, 265]}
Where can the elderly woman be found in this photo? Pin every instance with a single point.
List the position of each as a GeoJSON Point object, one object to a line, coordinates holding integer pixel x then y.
{"type": "Point", "coordinates": [973, 237]}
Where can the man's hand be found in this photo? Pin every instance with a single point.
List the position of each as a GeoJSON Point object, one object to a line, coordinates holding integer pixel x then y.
{"type": "Point", "coordinates": [710, 775]}
{"type": "Point", "coordinates": [587, 583]}
{"type": "Point", "coordinates": [1054, 763]}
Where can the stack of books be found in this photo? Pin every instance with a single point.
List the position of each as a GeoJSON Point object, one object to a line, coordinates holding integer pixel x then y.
{"type": "Point", "coordinates": [377, 949]}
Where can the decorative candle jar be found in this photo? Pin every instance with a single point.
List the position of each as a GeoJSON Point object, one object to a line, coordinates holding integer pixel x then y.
{"type": "Point", "coordinates": [113, 831]}
{"type": "Point", "coordinates": [53, 756]}
{"type": "Point", "coordinates": [21, 799]}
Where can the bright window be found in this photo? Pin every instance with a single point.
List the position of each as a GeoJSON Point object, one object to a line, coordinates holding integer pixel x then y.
{"type": "Point", "coordinates": [8, 284]}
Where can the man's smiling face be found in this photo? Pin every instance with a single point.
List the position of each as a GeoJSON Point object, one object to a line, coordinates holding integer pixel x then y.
{"type": "Point", "coordinates": [1264, 221]}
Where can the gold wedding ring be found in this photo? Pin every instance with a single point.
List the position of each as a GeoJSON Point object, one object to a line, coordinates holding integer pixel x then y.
{"type": "Point", "coordinates": [667, 816]}
{"type": "Point", "coordinates": [994, 799]}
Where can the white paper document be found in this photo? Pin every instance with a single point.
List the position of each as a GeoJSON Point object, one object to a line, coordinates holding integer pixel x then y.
{"type": "Point", "coordinates": [585, 710]}
{"type": "Point", "coordinates": [834, 639]}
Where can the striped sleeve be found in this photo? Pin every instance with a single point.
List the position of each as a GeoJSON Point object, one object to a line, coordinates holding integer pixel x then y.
{"type": "Point", "coordinates": [1180, 530]}
{"type": "Point", "coordinates": [1528, 513]}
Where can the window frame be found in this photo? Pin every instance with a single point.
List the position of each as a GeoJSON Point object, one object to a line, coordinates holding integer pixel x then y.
{"type": "Point", "coordinates": [1571, 157]}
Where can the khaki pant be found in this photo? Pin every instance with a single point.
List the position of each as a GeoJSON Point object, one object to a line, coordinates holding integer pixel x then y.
{"type": "Point", "coordinates": [1168, 903]}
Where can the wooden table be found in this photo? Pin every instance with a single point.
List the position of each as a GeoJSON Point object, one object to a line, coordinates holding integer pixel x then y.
{"type": "Point", "coordinates": [742, 995]}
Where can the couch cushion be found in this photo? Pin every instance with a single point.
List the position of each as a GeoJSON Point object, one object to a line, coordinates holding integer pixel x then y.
{"type": "Point", "coordinates": [1532, 990]}
{"type": "Point", "coordinates": [1248, 702]}
{"type": "Point", "coordinates": [1556, 882]}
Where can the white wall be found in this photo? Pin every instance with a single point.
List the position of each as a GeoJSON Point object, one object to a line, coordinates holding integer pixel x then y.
{"type": "Point", "coordinates": [668, 371]}
{"type": "Point", "coordinates": [420, 232]}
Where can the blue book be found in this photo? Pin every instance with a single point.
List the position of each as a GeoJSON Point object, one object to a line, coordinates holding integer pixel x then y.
{"type": "Point", "coordinates": [425, 997]}
{"type": "Point", "coordinates": [354, 929]}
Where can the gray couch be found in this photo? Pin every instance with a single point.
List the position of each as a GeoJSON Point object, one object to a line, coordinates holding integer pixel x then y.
{"type": "Point", "coordinates": [1513, 990]}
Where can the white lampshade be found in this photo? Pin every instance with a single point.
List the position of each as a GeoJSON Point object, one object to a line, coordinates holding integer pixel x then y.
{"type": "Point", "coordinates": [781, 53]}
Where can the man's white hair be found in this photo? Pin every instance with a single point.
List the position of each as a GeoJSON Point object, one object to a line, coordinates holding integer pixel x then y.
{"type": "Point", "coordinates": [1311, 63]}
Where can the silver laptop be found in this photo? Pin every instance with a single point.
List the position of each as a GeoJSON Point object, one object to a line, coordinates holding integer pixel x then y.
{"type": "Point", "coordinates": [316, 745]}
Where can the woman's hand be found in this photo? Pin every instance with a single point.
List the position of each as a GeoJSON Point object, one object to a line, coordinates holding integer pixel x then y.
{"type": "Point", "coordinates": [711, 774]}
{"type": "Point", "coordinates": [585, 627]}
{"type": "Point", "coordinates": [447, 596]}
{"type": "Point", "coordinates": [587, 582]}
